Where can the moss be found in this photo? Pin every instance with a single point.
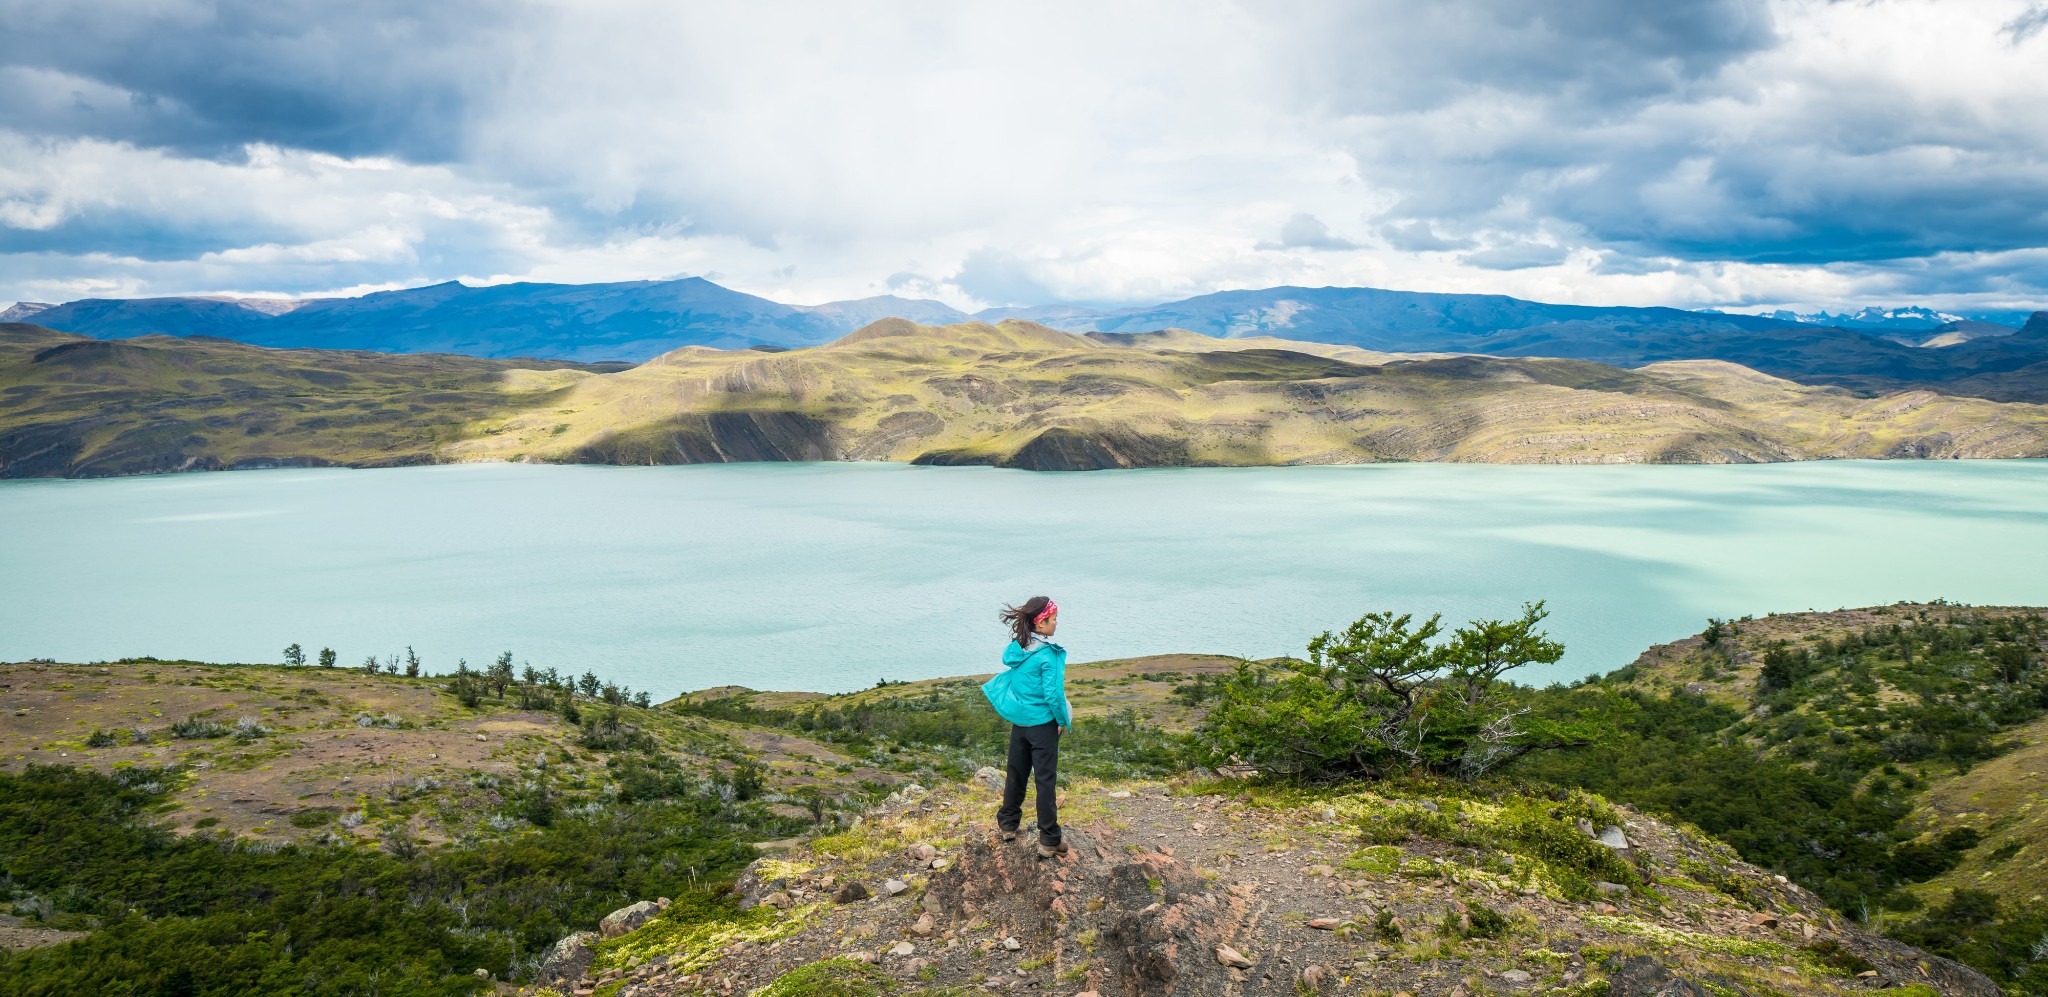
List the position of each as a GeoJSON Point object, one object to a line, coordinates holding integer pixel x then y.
{"type": "Point", "coordinates": [1664, 936]}
{"type": "Point", "coordinates": [1383, 860]}
{"type": "Point", "coordinates": [772, 869]}
{"type": "Point", "coordinates": [693, 931]}
{"type": "Point", "coordinates": [830, 978]}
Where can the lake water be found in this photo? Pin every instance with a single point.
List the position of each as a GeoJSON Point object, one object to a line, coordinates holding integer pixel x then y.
{"type": "Point", "coordinates": [830, 576]}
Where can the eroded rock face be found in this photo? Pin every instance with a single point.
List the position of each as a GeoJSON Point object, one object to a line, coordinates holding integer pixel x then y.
{"type": "Point", "coordinates": [716, 438]}
{"type": "Point", "coordinates": [1063, 449]}
{"type": "Point", "coordinates": [1157, 922]}
{"type": "Point", "coordinates": [567, 961]}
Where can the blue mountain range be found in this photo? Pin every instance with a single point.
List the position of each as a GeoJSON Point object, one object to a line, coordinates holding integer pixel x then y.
{"type": "Point", "coordinates": [634, 321]}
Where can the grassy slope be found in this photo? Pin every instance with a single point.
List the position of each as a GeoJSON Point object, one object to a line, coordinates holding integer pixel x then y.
{"type": "Point", "coordinates": [1015, 393]}
{"type": "Point", "coordinates": [441, 773]}
{"type": "Point", "coordinates": [74, 405]}
{"type": "Point", "coordinates": [2004, 798]}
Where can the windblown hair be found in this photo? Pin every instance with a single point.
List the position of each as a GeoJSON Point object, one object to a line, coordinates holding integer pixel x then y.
{"type": "Point", "coordinates": [1020, 619]}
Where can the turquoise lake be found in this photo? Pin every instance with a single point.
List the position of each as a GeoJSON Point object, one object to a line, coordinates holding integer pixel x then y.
{"type": "Point", "coordinates": [830, 576]}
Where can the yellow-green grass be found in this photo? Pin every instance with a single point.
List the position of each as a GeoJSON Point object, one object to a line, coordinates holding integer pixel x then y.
{"type": "Point", "coordinates": [2006, 800]}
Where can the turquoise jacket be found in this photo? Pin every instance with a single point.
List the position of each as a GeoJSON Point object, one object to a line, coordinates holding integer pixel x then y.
{"type": "Point", "coordinates": [1032, 687]}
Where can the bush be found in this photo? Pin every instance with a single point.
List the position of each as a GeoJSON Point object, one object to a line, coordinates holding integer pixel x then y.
{"type": "Point", "coordinates": [1381, 698]}
{"type": "Point", "coordinates": [195, 729]}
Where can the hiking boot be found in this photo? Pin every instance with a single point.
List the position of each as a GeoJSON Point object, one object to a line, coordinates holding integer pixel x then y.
{"type": "Point", "coordinates": [1009, 833]}
{"type": "Point", "coordinates": [1046, 851]}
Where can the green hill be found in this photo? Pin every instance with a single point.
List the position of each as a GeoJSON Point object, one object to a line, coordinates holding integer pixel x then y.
{"type": "Point", "coordinates": [1014, 394]}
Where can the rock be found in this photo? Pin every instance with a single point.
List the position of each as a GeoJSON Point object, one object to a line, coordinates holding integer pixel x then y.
{"type": "Point", "coordinates": [850, 892]}
{"type": "Point", "coordinates": [1586, 828]}
{"type": "Point", "coordinates": [567, 961]}
{"type": "Point", "coordinates": [989, 776]}
{"type": "Point", "coordinates": [482, 974]}
{"type": "Point", "coordinates": [627, 919]}
{"type": "Point", "coordinates": [1764, 919]}
{"type": "Point", "coordinates": [481, 737]}
{"type": "Point", "coordinates": [923, 927]}
{"type": "Point", "coordinates": [916, 966]}
{"type": "Point", "coordinates": [662, 902]}
{"type": "Point", "coordinates": [895, 887]}
{"type": "Point", "coordinates": [1644, 976]}
{"type": "Point", "coordinates": [902, 949]}
{"type": "Point", "coordinates": [1121, 794]}
{"type": "Point", "coordinates": [1011, 944]}
{"type": "Point", "coordinates": [778, 900]}
{"type": "Point", "coordinates": [1324, 871]}
{"type": "Point", "coordinates": [1325, 923]}
{"type": "Point", "coordinates": [1232, 957]}
{"type": "Point", "coordinates": [1613, 837]}
{"type": "Point", "coordinates": [1516, 977]}
{"type": "Point", "coordinates": [1315, 976]}
{"type": "Point", "coordinates": [1610, 889]}
{"type": "Point", "coordinates": [922, 853]}
{"type": "Point", "coordinates": [938, 864]}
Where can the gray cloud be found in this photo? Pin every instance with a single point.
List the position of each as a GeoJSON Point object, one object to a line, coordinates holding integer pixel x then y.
{"type": "Point", "coordinates": [1001, 278]}
{"type": "Point", "coordinates": [1517, 256]}
{"type": "Point", "coordinates": [2027, 25]}
{"type": "Point", "coordinates": [1417, 235]}
{"type": "Point", "coordinates": [1306, 231]}
{"type": "Point", "coordinates": [361, 78]}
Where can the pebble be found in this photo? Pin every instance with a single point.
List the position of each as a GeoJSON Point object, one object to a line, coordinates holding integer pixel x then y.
{"type": "Point", "coordinates": [1326, 923]}
{"type": "Point", "coordinates": [894, 887]}
{"type": "Point", "coordinates": [1232, 957]}
{"type": "Point", "coordinates": [1011, 944]}
{"type": "Point", "coordinates": [902, 949]}
{"type": "Point", "coordinates": [1516, 976]}
{"type": "Point", "coordinates": [923, 925]}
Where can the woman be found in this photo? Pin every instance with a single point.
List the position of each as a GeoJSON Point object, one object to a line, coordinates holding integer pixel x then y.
{"type": "Point", "coordinates": [1031, 693]}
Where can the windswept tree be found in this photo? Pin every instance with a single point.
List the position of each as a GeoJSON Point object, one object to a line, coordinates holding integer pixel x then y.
{"type": "Point", "coordinates": [500, 674]}
{"type": "Point", "coordinates": [1384, 697]}
{"type": "Point", "coordinates": [412, 663]}
{"type": "Point", "coordinates": [589, 683]}
{"type": "Point", "coordinates": [328, 657]}
{"type": "Point", "coordinates": [294, 655]}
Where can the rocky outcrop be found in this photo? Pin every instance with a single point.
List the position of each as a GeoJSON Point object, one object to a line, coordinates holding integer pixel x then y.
{"type": "Point", "coordinates": [625, 920]}
{"type": "Point", "coordinates": [567, 961]}
{"type": "Point", "coordinates": [1155, 924]}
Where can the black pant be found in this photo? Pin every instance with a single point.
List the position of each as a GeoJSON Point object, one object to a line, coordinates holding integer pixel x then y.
{"type": "Point", "coordinates": [1034, 751]}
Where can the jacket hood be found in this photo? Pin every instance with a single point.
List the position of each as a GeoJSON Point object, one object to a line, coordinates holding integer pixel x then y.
{"type": "Point", "coordinates": [1015, 654]}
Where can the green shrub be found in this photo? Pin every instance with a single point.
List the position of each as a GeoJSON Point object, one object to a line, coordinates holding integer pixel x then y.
{"type": "Point", "coordinates": [1383, 698]}
{"type": "Point", "coordinates": [195, 729]}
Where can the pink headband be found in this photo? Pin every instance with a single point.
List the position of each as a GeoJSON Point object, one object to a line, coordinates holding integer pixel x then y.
{"type": "Point", "coordinates": [1051, 607]}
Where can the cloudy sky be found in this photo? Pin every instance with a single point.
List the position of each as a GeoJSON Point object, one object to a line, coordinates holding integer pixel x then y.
{"type": "Point", "coordinates": [1734, 153]}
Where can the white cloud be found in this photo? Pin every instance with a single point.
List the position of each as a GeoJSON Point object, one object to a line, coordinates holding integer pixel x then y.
{"type": "Point", "coordinates": [1692, 153]}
